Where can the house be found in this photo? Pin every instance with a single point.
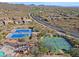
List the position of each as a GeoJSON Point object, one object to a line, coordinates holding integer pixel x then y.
{"type": "Point", "coordinates": [23, 21]}
{"type": "Point", "coordinates": [18, 22]}
{"type": "Point", "coordinates": [27, 21]}
{"type": "Point", "coordinates": [1, 23]}
{"type": "Point", "coordinates": [5, 21]}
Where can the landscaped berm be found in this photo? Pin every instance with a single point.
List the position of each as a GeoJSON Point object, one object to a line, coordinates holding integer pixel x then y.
{"type": "Point", "coordinates": [56, 43]}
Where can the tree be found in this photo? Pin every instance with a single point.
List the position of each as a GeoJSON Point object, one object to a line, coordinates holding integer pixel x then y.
{"type": "Point", "coordinates": [74, 52]}
{"type": "Point", "coordinates": [76, 42]}
{"type": "Point", "coordinates": [43, 49]}
{"type": "Point", "coordinates": [0, 37]}
{"type": "Point", "coordinates": [42, 33]}
{"type": "Point", "coordinates": [35, 51]}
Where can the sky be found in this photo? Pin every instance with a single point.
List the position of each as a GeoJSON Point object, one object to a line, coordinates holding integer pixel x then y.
{"type": "Point", "coordinates": [51, 3]}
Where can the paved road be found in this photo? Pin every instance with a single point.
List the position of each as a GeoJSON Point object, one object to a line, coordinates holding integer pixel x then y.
{"type": "Point", "coordinates": [41, 21]}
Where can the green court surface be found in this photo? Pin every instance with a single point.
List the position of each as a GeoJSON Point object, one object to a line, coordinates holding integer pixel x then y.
{"type": "Point", "coordinates": [56, 43]}
{"type": "Point", "coordinates": [2, 54]}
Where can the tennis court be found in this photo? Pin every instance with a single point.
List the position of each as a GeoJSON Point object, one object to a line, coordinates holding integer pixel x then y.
{"type": "Point", "coordinates": [18, 36]}
{"type": "Point", "coordinates": [20, 33]}
{"type": "Point", "coordinates": [2, 54]}
{"type": "Point", "coordinates": [56, 43]}
{"type": "Point", "coordinates": [23, 30]}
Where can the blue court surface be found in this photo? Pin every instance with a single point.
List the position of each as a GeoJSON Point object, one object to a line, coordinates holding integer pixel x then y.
{"type": "Point", "coordinates": [18, 36]}
{"type": "Point", "coordinates": [20, 33]}
{"type": "Point", "coordinates": [23, 30]}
